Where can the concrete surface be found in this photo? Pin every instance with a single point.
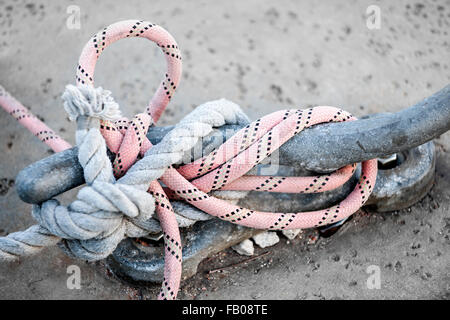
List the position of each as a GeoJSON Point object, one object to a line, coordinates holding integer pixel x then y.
{"type": "Point", "coordinates": [263, 56]}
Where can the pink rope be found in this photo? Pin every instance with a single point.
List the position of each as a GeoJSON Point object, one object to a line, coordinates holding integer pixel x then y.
{"type": "Point", "coordinates": [31, 122]}
{"type": "Point", "coordinates": [128, 138]}
{"type": "Point", "coordinates": [223, 169]}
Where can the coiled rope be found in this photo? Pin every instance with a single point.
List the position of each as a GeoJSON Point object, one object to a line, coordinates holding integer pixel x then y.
{"type": "Point", "coordinates": [120, 199]}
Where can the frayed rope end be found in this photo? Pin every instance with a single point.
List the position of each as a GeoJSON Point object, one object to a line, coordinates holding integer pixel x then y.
{"type": "Point", "coordinates": [88, 101]}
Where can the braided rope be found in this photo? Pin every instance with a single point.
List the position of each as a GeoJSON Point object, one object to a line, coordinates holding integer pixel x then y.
{"type": "Point", "coordinates": [107, 210]}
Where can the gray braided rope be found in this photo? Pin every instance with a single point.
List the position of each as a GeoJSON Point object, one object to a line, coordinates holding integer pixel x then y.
{"type": "Point", "coordinates": [106, 211]}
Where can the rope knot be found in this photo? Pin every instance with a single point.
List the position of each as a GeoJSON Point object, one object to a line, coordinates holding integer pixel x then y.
{"type": "Point", "coordinates": [84, 100]}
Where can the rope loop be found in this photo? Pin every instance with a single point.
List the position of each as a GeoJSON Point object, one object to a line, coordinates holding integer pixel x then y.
{"type": "Point", "coordinates": [142, 29]}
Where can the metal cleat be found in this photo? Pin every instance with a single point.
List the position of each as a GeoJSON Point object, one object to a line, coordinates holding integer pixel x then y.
{"type": "Point", "coordinates": [402, 142]}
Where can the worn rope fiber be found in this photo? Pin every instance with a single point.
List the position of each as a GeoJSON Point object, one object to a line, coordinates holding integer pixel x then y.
{"type": "Point", "coordinates": [120, 199]}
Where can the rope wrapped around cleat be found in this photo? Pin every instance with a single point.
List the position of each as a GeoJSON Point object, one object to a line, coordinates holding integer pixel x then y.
{"type": "Point", "coordinates": [131, 196]}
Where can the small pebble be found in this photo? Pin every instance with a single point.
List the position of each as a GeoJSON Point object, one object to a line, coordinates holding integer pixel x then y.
{"type": "Point", "coordinates": [266, 239]}
{"type": "Point", "coordinates": [313, 239]}
{"type": "Point", "coordinates": [291, 234]}
{"type": "Point", "coordinates": [244, 248]}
